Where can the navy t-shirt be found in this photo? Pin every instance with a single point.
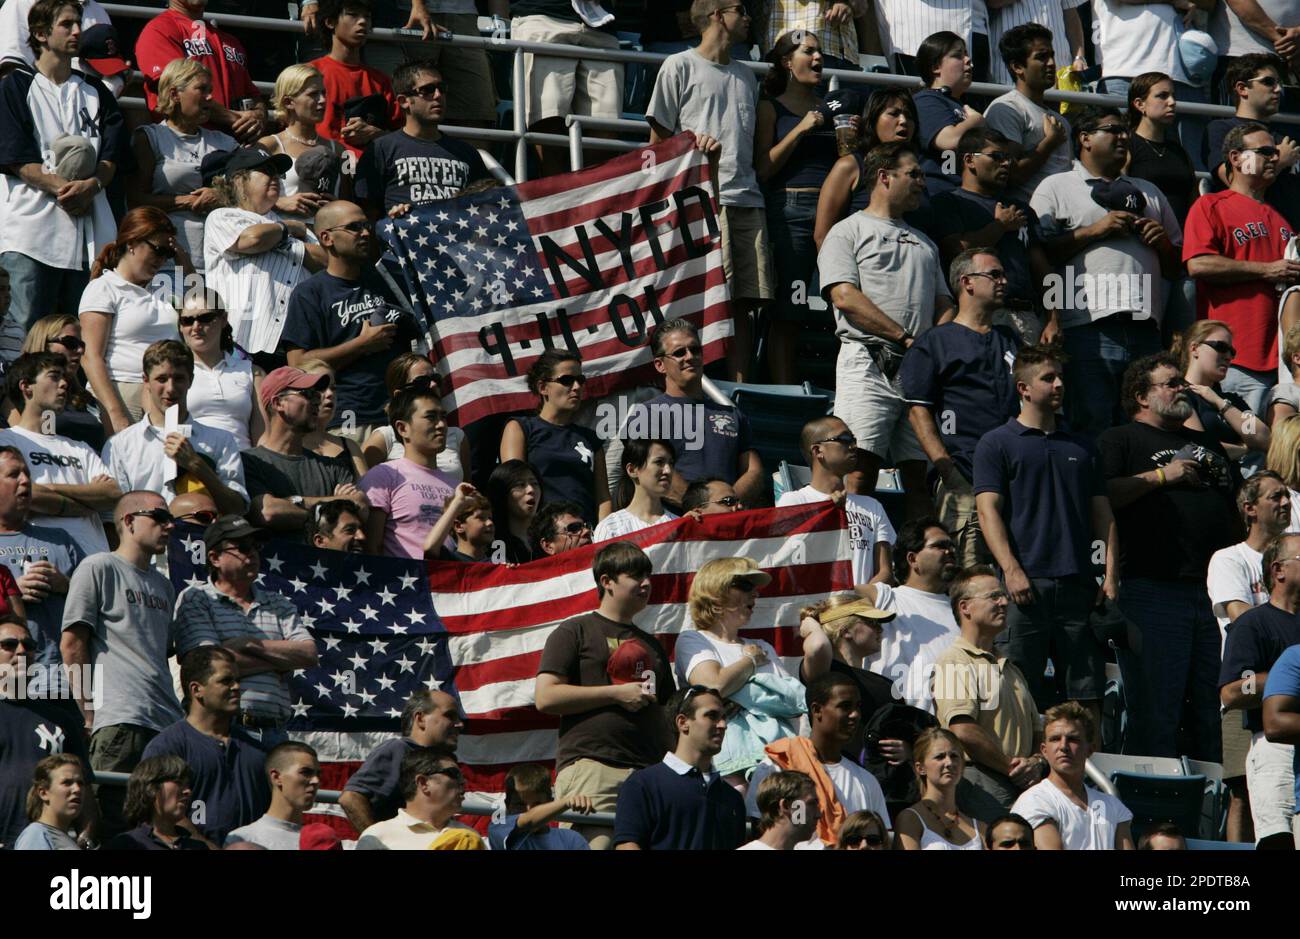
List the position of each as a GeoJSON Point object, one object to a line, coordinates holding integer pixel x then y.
{"type": "Point", "coordinates": [230, 785]}
{"type": "Point", "coordinates": [965, 379]}
{"type": "Point", "coordinates": [564, 455]}
{"type": "Point", "coordinates": [377, 778]}
{"type": "Point", "coordinates": [1283, 195]}
{"type": "Point", "coordinates": [708, 437]}
{"type": "Point", "coordinates": [936, 110]}
{"type": "Point", "coordinates": [327, 311]}
{"type": "Point", "coordinates": [960, 210]}
{"type": "Point", "coordinates": [400, 168]}
{"type": "Point", "coordinates": [45, 617]}
{"type": "Point", "coordinates": [1256, 640]}
{"type": "Point", "coordinates": [661, 810]}
{"type": "Point", "coordinates": [1047, 483]}
{"type": "Point", "coordinates": [31, 730]}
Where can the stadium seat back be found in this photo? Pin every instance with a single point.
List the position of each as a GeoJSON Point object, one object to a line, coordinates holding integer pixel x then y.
{"type": "Point", "coordinates": [776, 420]}
{"type": "Point", "coordinates": [1153, 799]}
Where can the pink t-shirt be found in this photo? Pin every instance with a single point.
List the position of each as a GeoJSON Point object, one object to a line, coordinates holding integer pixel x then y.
{"type": "Point", "coordinates": [413, 497]}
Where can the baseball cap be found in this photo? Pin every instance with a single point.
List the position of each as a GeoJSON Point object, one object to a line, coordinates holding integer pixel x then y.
{"type": "Point", "coordinates": [229, 162]}
{"type": "Point", "coordinates": [752, 573]}
{"type": "Point", "coordinates": [74, 157]}
{"type": "Point", "coordinates": [287, 377]}
{"type": "Point", "coordinates": [629, 662]}
{"type": "Point", "coordinates": [1198, 53]}
{"type": "Point", "coordinates": [228, 528]}
{"type": "Point", "coordinates": [373, 109]}
{"type": "Point", "coordinates": [863, 608]}
{"type": "Point", "coordinates": [318, 837]}
{"type": "Point", "coordinates": [100, 50]}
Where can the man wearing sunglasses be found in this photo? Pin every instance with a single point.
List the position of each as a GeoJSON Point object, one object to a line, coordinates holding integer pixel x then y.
{"type": "Point", "coordinates": [1114, 238]}
{"type": "Point", "coordinates": [1173, 492]}
{"type": "Point", "coordinates": [433, 789]}
{"type": "Point", "coordinates": [40, 558]}
{"type": "Point", "coordinates": [1253, 85]}
{"type": "Point", "coordinates": [559, 527]}
{"type": "Point", "coordinates": [349, 317]}
{"type": "Point", "coordinates": [711, 496]}
{"type": "Point", "coordinates": [1235, 248]}
{"type": "Point", "coordinates": [417, 164]}
{"type": "Point", "coordinates": [31, 729]}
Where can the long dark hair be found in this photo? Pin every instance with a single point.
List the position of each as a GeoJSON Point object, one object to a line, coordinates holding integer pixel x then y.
{"type": "Point", "coordinates": [636, 453]}
{"type": "Point", "coordinates": [543, 369]}
{"type": "Point", "coordinates": [877, 104]}
{"type": "Point", "coordinates": [1138, 90]}
{"type": "Point", "coordinates": [505, 477]}
{"type": "Point", "coordinates": [932, 52]}
{"type": "Point", "coordinates": [777, 79]}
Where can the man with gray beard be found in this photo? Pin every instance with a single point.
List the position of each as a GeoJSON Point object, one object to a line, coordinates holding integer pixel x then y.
{"type": "Point", "coordinates": [1173, 492]}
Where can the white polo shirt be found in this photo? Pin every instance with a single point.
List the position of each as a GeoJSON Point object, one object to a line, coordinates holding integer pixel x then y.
{"type": "Point", "coordinates": [140, 317]}
{"type": "Point", "coordinates": [405, 832]}
{"type": "Point", "coordinates": [135, 458]}
{"type": "Point", "coordinates": [255, 287]}
{"type": "Point", "coordinates": [54, 459]}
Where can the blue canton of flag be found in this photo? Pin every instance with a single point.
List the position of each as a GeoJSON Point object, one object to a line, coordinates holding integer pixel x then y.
{"type": "Point", "coordinates": [372, 617]}
{"type": "Point", "coordinates": [469, 256]}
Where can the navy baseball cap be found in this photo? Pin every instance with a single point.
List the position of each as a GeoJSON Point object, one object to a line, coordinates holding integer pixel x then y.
{"type": "Point", "coordinates": [229, 162]}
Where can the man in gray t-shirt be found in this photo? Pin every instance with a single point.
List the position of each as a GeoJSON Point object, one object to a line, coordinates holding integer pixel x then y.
{"type": "Point", "coordinates": [1024, 117]}
{"type": "Point", "coordinates": [118, 619]}
{"type": "Point", "coordinates": [886, 283]}
{"type": "Point", "coordinates": [705, 91]}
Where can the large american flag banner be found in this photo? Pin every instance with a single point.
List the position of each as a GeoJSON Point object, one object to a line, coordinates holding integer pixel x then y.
{"type": "Point", "coordinates": [386, 627]}
{"type": "Point", "coordinates": [588, 261]}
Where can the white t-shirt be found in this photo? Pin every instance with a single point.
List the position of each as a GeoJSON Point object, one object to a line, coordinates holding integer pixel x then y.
{"type": "Point", "coordinates": [54, 459]}
{"type": "Point", "coordinates": [1138, 38]}
{"type": "Point", "coordinates": [868, 526]}
{"type": "Point", "coordinates": [140, 317]}
{"type": "Point", "coordinates": [255, 287]}
{"type": "Point", "coordinates": [856, 789]}
{"type": "Point", "coordinates": [695, 646]}
{"type": "Point", "coordinates": [756, 845]}
{"type": "Point", "coordinates": [1091, 829]}
{"type": "Point", "coordinates": [620, 523]}
{"type": "Point", "coordinates": [913, 641]}
{"type": "Point", "coordinates": [1234, 38]}
{"type": "Point", "coordinates": [1236, 573]}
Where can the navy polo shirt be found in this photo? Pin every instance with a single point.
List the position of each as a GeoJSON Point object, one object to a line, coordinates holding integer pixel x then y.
{"type": "Point", "coordinates": [230, 785]}
{"type": "Point", "coordinates": [961, 210]}
{"type": "Point", "coordinates": [378, 777]}
{"type": "Point", "coordinates": [661, 809]}
{"type": "Point", "coordinates": [1047, 483]}
{"type": "Point", "coordinates": [1256, 640]}
{"type": "Point", "coordinates": [964, 378]}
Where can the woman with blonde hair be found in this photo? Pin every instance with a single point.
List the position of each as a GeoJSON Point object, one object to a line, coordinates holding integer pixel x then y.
{"type": "Point", "coordinates": [122, 313]}
{"type": "Point", "coordinates": [1284, 459]}
{"type": "Point", "coordinates": [1204, 353]}
{"type": "Point", "coordinates": [79, 420]}
{"type": "Point", "coordinates": [382, 444]}
{"type": "Point", "coordinates": [299, 105]}
{"type": "Point", "coordinates": [54, 804]}
{"type": "Point", "coordinates": [1284, 399]}
{"type": "Point", "coordinates": [333, 447]}
{"type": "Point", "coordinates": [934, 823]}
{"type": "Point", "coordinates": [169, 154]}
{"type": "Point", "coordinates": [748, 673]}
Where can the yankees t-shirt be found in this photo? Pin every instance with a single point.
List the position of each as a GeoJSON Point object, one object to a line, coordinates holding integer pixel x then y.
{"type": "Point", "coordinates": [326, 311]}
{"type": "Point", "coordinates": [708, 438]}
{"type": "Point", "coordinates": [30, 730]}
{"type": "Point", "coordinates": [400, 168]}
{"type": "Point", "coordinates": [868, 526]}
{"type": "Point", "coordinates": [55, 459]}
{"type": "Point", "coordinates": [961, 210]}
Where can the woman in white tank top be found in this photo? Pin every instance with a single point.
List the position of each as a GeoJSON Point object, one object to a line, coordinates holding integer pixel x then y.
{"type": "Point", "coordinates": [299, 103]}
{"type": "Point", "coordinates": [934, 823]}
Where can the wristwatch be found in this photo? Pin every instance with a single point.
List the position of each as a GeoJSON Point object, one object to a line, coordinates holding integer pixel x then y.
{"type": "Point", "coordinates": [298, 501]}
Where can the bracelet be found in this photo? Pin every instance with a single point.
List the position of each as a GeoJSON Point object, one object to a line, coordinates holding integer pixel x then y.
{"type": "Point", "coordinates": [1160, 475]}
{"type": "Point", "coordinates": [1224, 408]}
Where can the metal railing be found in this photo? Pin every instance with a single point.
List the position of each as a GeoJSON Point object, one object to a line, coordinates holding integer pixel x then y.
{"type": "Point", "coordinates": [331, 797]}
{"type": "Point", "coordinates": [575, 140]}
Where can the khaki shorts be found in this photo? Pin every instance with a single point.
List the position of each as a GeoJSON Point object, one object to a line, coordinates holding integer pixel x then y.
{"type": "Point", "coordinates": [746, 255]}
{"type": "Point", "coordinates": [560, 87]}
{"type": "Point", "coordinates": [600, 783]}
{"type": "Point", "coordinates": [958, 513]}
{"type": "Point", "coordinates": [1236, 744]}
{"type": "Point", "coordinates": [471, 95]}
{"type": "Point", "coordinates": [131, 392]}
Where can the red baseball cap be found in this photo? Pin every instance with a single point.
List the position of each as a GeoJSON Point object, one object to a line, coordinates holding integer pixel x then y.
{"type": "Point", "coordinates": [99, 48]}
{"type": "Point", "coordinates": [628, 663]}
{"type": "Point", "coordinates": [318, 837]}
{"type": "Point", "coordinates": [286, 378]}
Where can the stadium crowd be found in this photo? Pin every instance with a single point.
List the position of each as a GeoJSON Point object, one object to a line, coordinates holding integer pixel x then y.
{"type": "Point", "coordinates": [1082, 360]}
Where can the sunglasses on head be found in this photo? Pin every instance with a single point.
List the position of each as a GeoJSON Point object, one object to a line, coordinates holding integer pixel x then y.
{"type": "Point", "coordinates": [158, 516]}
{"type": "Point", "coordinates": [203, 319]}
{"type": "Point", "coordinates": [71, 343]}
{"type": "Point", "coordinates": [12, 643]}
{"type": "Point", "coordinates": [568, 381]}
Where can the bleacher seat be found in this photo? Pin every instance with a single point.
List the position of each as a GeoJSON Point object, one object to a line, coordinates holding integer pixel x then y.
{"type": "Point", "coordinates": [1214, 810]}
{"type": "Point", "coordinates": [1200, 844]}
{"type": "Point", "coordinates": [1153, 799]}
{"type": "Point", "coordinates": [775, 420]}
{"type": "Point", "coordinates": [1112, 763]}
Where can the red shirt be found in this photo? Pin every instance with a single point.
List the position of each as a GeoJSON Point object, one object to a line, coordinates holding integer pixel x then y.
{"type": "Point", "coordinates": [172, 35]}
{"type": "Point", "coordinates": [1237, 227]}
{"type": "Point", "coordinates": [343, 81]}
{"type": "Point", "coordinates": [8, 588]}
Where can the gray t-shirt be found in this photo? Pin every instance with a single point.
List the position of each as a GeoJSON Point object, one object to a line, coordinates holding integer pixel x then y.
{"type": "Point", "coordinates": [129, 614]}
{"type": "Point", "coordinates": [274, 834]}
{"type": "Point", "coordinates": [1287, 393]}
{"type": "Point", "coordinates": [896, 266]}
{"type": "Point", "coordinates": [1018, 119]}
{"type": "Point", "coordinates": [692, 93]}
{"type": "Point", "coordinates": [269, 473]}
{"type": "Point", "coordinates": [1114, 275]}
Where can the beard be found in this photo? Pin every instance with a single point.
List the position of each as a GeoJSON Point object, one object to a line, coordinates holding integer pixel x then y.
{"type": "Point", "coordinates": [1179, 408]}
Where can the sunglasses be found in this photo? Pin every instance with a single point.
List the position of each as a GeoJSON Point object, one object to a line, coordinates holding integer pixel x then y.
{"type": "Point", "coordinates": [158, 516]}
{"type": "Point", "coordinates": [353, 228]}
{"type": "Point", "coordinates": [451, 772]}
{"type": "Point", "coordinates": [1119, 130]}
{"type": "Point", "coordinates": [1222, 347]}
{"type": "Point", "coordinates": [874, 841]}
{"type": "Point", "coordinates": [422, 382]}
{"type": "Point", "coordinates": [429, 90]}
{"type": "Point", "coordinates": [693, 349]}
{"type": "Point", "coordinates": [71, 343]}
{"type": "Point", "coordinates": [568, 381]}
{"type": "Point", "coordinates": [1268, 81]}
{"type": "Point", "coordinates": [9, 645]}
{"type": "Point", "coordinates": [1025, 843]}
{"type": "Point", "coordinates": [163, 251]}
{"type": "Point", "coordinates": [201, 517]}
{"type": "Point", "coordinates": [573, 528]}
{"type": "Point", "coordinates": [1266, 152]}
{"type": "Point", "coordinates": [997, 156]}
{"type": "Point", "coordinates": [728, 501]}
{"type": "Point", "coordinates": [740, 583]}
{"type": "Point", "coordinates": [244, 546]}
{"type": "Point", "coordinates": [846, 439]}
{"type": "Point", "coordinates": [203, 319]}
{"type": "Point", "coordinates": [311, 394]}
{"type": "Point", "coordinates": [991, 275]}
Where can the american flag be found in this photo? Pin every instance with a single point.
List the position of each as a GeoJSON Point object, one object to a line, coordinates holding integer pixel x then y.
{"type": "Point", "coordinates": [588, 260]}
{"type": "Point", "coordinates": [386, 627]}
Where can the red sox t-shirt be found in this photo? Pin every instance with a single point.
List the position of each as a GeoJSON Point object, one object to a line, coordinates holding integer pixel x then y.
{"type": "Point", "coordinates": [172, 35]}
